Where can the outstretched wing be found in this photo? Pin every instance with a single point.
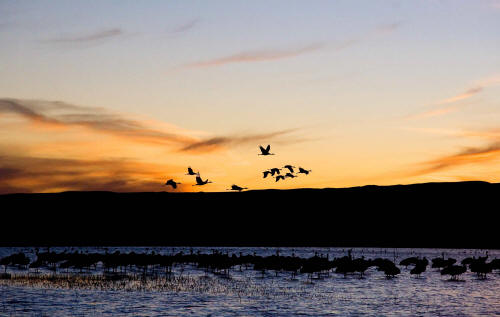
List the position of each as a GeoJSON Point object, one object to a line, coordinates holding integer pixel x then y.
{"type": "Point", "coordinates": [190, 170]}
{"type": "Point", "coordinates": [262, 149]}
{"type": "Point", "coordinates": [199, 180]}
{"type": "Point", "coordinates": [268, 147]}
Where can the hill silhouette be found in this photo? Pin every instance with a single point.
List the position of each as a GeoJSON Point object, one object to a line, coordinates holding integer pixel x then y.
{"type": "Point", "coordinates": [456, 215]}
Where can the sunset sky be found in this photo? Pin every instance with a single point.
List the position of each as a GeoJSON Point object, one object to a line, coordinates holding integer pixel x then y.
{"type": "Point", "coordinates": [123, 95]}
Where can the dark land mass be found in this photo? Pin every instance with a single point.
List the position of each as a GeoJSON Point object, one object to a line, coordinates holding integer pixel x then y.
{"type": "Point", "coordinates": [454, 215]}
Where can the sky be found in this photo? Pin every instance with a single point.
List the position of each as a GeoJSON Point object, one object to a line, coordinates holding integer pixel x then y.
{"type": "Point", "coordinates": [124, 95]}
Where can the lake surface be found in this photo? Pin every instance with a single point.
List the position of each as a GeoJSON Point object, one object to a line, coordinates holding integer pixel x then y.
{"type": "Point", "coordinates": [248, 293]}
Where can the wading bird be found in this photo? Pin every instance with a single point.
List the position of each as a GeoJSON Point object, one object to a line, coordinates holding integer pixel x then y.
{"type": "Point", "coordinates": [280, 177]}
{"type": "Point", "coordinates": [201, 182]}
{"type": "Point", "coordinates": [304, 171]}
{"type": "Point", "coordinates": [190, 171]}
{"type": "Point", "coordinates": [265, 151]}
{"type": "Point", "coordinates": [236, 187]}
{"type": "Point", "coordinates": [290, 168]}
{"type": "Point", "coordinates": [172, 183]}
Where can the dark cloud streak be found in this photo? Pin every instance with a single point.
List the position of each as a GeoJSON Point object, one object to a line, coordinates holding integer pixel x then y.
{"type": "Point", "coordinates": [87, 38]}
{"type": "Point", "coordinates": [59, 114]}
{"type": "Point", "coordinates": [256, 56]}
{"type": "Point", "coordinates": [215, 142]}
{"type": "Point", "coordinates": [186, 27]}
{"type": "Point", "coordinates": [471, 155]}
{"type": "Point", "coordinates": [34, 174]}
{"type": "Point", "coordinates": [92, 118]}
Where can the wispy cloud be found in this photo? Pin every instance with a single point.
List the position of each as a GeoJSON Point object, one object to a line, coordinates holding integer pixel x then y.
{"type": "Point", "coordinates": [465, 95]}
{"type": "Point", "coordinates": [278, 54]}
{"type": "Point", "coordinates": [58, 114]}
{"type": "Point", "coordinates": [256, 56]}
{"type": "Point", "coordinates": [186, 26]}
{"type": "Point", "coordinates": [54, 114]}
{"type": "Point", "coordinates": [93, 37]}
{"type": "Point", "coordinates": [433, 113]}
{"type": "Point", "coordinates": [488, 134]}
{"type": "Point", "coordinates": [451, 102]}
{"type": "Point", "coordinates": [217, 142]}
{"type": "Point", "coordinates": [388, 28]}
{"type": "Point", "coordinates": [471, 155]}
{"type": "Point", "coordinates": [489, 81]}
{"type": "Point", "coordinates": [36, 174]}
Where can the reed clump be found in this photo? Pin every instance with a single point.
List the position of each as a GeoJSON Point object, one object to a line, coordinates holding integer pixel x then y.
{"type": "Point", "coordinates": [138, 282]}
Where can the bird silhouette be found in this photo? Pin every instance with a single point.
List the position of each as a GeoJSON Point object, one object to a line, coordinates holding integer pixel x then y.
{"type": "Point", "coordinates": [280, 177]}
{"type": "Point", "coordinates": [265, 151]}
{"type": "Point", "coordinates": [290, 168]}
{"type": "Point", "coordinates": [201, 182]}
{"type": "Point", "coordinates": [417, 270]}
{"type": "Point", "coordinates": [266, 173]}
{"type": "Point", "coordinates": [172, 183]}
{"type": "Point", "coordinates": [275, 170]}
{"type": "Point", "coordinates": [290, 175]}
{"type": "Point", "coordinates": [236, 187]}
{"type": "Point", "coordinates": [304, 171]}
{"type": "Point", "coordinates": [190, 171]}
{"type": "Point", "coordinates": [454, 271]}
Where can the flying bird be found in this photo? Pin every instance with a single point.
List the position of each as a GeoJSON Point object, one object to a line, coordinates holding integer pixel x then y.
{"type": "Point", "coordinates": [236, 187]}
{"type": "Point", "coordinates": [275, 171]}
{"type": "Point", "coordinates": [172, 183]}
{"type": "Point", "coordinates": [290, 175]}
{"type": "Point", "coordinates": [304, 171]}
{"type": "Point", "coordinates": [266, 173]}
{"type": "Point", "coordinates": [201, 182]}
{"type": "Point", "coordinates": [280, 177]}
{"type": "Point", "coordinates": [290, 168]}
{"type": "Point", "coordinates": [190, 171]}
{"type": "Point", "coordinates": [265, 151]}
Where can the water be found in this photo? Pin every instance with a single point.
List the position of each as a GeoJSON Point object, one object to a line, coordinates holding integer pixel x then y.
{"type": "Point", "coordinates": [247, 293]}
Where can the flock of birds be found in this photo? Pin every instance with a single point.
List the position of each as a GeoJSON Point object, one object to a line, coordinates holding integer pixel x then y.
{"type": "Point", "coordinates": [221, 263]}
{"type": "Point", "coordinates": [274, 172]}
{"type": "Point", "coordinates": [277, 171]}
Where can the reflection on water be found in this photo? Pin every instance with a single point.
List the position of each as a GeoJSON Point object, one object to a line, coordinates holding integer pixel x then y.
{"type": "Point", "coordinates": [246, 293]}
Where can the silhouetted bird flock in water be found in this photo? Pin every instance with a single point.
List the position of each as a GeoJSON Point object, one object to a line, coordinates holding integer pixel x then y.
{"type": "Point", "coordinates": [222, 263]}
{"type": "Point", "coordinates": [274, 172]}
